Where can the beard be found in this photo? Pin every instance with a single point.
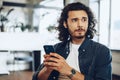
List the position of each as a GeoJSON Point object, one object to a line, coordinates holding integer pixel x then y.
{"type": "Point", "coordinates": [80, 36]}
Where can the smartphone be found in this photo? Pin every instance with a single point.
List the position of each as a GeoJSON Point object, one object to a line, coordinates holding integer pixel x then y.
{"type": "Point", "coordinates": [48, 49]}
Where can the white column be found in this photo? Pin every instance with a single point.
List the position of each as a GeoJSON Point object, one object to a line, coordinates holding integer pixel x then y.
{"type": "Point", "coordinates": [3, 62]}
{"type": "Point", "coordinates": [1, 2]}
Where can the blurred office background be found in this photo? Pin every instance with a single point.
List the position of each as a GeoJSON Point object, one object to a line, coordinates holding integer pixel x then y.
{"type": "Point", "coordinates": [27, 25]}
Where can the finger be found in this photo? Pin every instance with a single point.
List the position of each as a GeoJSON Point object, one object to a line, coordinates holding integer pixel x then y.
{"type": "Point", "coordinates": [56, 55]}
{"type": "Point", "coordinates": [50, 64]}
{"type": "Point", "coordinates": [53, 68]}
{"type": "Point", "coordinates": [53, 59]}
{"type": "Point", "coordinates": [46, 55]}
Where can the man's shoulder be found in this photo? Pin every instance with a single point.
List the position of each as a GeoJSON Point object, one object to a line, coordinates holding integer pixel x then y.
{"type": "Point", "coordinates": [60, 44]}
{"type": "Point", "coordinates": [100, 49]}
{"type": "Point", "coordinates": [99, 45]}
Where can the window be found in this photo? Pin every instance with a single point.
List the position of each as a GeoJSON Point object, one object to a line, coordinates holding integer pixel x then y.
{"type": "Point", "coordinates": [109, 22]}
{"type": "Point", "coordinates": [115, 24]}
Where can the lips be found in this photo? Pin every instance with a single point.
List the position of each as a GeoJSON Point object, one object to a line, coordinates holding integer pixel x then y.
{"type": "Point", "coordinates": [79, 30]}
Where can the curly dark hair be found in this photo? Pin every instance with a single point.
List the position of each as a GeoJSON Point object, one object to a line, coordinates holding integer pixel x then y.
{"type": "Point", "coordinates": [63, 32]}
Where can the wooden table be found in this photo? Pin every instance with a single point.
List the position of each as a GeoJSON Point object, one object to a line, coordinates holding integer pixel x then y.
{"type": "Point", "coordinates": [18, 75]}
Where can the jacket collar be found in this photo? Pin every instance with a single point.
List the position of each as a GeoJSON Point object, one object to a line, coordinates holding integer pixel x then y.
{"type": "Point", "coordinates": [85, 44]}
{"type": "Point", "coordinates": [82, 48]}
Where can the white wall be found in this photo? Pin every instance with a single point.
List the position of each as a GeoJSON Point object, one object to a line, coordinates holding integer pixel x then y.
{"type": "Point", "coordinates": [20, 41]}
{"type": "Point", "coordinates": [25, 41]}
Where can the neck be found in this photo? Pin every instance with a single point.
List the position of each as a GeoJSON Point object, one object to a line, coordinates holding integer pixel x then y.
{"type": "Point", "coordinates": [77, 41]}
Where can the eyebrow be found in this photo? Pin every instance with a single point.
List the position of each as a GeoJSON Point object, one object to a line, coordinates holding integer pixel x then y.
{"type": "Point", "coordinates": [78, 18]}
{"type": "Point", "coordinates": [84, 17]}
{"type": "Point", "coordinates": [74, 18]}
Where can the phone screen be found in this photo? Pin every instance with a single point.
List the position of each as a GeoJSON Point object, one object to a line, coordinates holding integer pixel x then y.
{"type": "Point", "coordinates": [48, 49]}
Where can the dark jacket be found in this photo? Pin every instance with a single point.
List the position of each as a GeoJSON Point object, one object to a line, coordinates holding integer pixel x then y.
{"type": "Point", "coordinates": [94, 60]}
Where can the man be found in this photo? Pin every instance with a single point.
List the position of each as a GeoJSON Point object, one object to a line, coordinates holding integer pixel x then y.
{"type": "Point", "coordinates": [77, 57]}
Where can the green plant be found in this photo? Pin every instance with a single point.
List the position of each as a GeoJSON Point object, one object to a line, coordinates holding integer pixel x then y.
{"type": "Point", "coordinates": [3, 18]}
{"type": "Point", "coordinates": [23, 27]}
{"type": "Point", "coordinates": [51, 28]}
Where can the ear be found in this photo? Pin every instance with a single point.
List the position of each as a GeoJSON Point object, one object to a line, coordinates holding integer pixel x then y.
{"type": "Point", "coordinates": [65, 24]}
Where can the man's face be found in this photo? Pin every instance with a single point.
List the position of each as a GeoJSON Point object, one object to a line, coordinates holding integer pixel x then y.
{"type": "Point", "coordinates": [77, 23]}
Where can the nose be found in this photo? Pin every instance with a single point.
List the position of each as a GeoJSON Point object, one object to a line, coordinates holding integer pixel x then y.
{"type": "Point", "coordinates": [80, 24]}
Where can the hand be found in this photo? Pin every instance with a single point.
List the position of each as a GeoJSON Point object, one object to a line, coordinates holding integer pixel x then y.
{"type": "Point", "coordinates": [54, 61]}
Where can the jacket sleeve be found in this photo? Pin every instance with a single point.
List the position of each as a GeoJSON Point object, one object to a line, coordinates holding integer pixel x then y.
{"type": "Point", "coordinates": [35, 75]}
{"type": "Point", "coordinates": [103, 67]}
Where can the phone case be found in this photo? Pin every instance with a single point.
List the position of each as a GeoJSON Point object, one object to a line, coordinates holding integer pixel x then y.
{"type": "Point", "coordinates": [48, 49]}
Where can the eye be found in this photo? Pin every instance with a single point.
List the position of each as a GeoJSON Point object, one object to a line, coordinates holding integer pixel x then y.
{"type": "Point", "coordinates": [74, 20]}
{"type": "Point", "coordinates": [84, 19]}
